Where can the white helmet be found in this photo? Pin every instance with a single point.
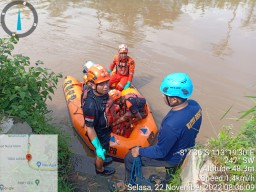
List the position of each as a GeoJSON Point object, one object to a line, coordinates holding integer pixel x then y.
{"type": "Point", "coordinates": [87, 66]}
{"type": "Point", "coordinates": [123, 48]}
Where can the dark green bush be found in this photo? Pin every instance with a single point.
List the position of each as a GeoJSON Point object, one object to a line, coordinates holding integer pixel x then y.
{"type": "Point", "coordinates": [24, 88]}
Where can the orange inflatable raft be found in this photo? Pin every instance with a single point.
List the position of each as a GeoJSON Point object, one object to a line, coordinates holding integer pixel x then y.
{"type": "Point", "coordinates": [142, 133]}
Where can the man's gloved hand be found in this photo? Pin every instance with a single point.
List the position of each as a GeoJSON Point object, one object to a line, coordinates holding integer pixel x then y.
{"type": "Point", "coordinates": [127, 85]}
{"type": "Point", "coordinates": [98, 148]}
{"type": "Point", "coordinates": [109, 70]}
{"type": "Point", "coordinates": [101, 153]}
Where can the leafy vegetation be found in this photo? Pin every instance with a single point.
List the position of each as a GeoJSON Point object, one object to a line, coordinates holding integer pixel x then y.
{"type": "Point", "coordinates": [24, 89]}
{"type": "Point", "coordinates": [237, 153]}
{"type": "Point", "coordinates": [251, 110]}
{"type": "Point", "coordinates": [175, 181]}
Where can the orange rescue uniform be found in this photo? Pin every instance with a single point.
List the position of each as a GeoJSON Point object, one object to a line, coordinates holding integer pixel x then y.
{"type": "Point", "coordinates": [123, 73]}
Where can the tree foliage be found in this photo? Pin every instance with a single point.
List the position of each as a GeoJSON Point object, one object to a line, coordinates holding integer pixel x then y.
{"type": "Point", "coordinates": [24, 88]}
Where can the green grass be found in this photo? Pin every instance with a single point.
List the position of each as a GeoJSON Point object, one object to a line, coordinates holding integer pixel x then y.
{"type": "Point", "coordinates": [237, 152]}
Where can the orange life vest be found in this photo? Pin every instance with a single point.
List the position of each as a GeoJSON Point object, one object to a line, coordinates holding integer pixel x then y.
{"type": "Point", "coordinates": [127, 70]}
{"type": "Point", "coordinates": [128, 104]}
{"type": "Point", "coordinates": [124, 128]}
{"type": "Point", "coordinates": [111, 111]}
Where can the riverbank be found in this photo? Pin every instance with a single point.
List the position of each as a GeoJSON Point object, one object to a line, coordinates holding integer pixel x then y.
{"type": "Point", "coordinates": [24, 89]}
{"type": "Point", "coordinates": [226, 162]}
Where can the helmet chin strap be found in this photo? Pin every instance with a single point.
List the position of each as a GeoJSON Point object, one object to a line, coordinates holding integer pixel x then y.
{"type": "Point", "coordinates": [167, 98]}
{"type": "Point", "coordinates": [96, 90]}
{"type": "Point", "coordinates": [173, 105]}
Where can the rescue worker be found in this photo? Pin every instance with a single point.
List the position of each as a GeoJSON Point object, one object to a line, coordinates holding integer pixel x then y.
{"type": "Point", "coordinates": [98, 129]}
{"type": "Point", "coordinates": [86, 85]}
{"type": "Point", "coordinates": [177, 134]}
{"type": "Point", "coordinates": [134, 105]}
{"type": "Point", "coordinates": [124, 66]}
{"type": "Point", "coordinates": [87, 66]}
{"type": "Point", "coordinates": [178, 131]}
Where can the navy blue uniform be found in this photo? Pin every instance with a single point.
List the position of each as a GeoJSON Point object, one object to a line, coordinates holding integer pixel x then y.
{"type": "Point", "coordinates": [177, 134]}
{"type": "Point", "coordinates": [95, 116]}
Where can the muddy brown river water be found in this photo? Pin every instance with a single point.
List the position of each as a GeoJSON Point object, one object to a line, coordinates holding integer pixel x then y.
{"type": "Point", "coordinates": [213, 41]}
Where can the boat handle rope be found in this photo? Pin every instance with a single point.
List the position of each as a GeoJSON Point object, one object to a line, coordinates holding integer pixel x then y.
{"type": "Point", "coordinates": [77, 110]}
{"type": "Point", "coordinates": [77, 107]}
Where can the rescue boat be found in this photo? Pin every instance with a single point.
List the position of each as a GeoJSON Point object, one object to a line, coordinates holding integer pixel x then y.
{"type": "Point", "coordinates": [142, 133]}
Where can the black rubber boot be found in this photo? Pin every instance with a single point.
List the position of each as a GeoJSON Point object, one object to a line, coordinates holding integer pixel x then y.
{"type": "Point", "coordinates": [107, 171]}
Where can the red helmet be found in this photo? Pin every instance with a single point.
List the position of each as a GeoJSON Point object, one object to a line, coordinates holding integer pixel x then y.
{"type": "Point", "coordinates": [114, 94]}
{"type": "Point", "coordinates": [98, 74]}
{"type": "Point", "coordinates": [123, 48]}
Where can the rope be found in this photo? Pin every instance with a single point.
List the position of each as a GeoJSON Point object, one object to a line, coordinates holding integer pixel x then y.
{"type": "Point", "coordinates": [136, 171]}
{"type": "Point", "coordinates": [136, 176]}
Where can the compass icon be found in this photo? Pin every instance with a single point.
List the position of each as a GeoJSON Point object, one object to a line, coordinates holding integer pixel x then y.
{"type": "Point", "coordinates": [14, 14]}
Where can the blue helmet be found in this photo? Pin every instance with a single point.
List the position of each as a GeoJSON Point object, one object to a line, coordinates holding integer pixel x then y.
{"type": "Point", "coordinates": [177, 85]}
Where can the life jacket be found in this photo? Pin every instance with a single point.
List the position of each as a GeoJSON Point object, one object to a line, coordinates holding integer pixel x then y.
{"type": "Point", "coordinates": [85, 90]}
{"type": "Point", "coordinates": [124, 129]}
{"type": "Point", "coordinates": [110, 109]}
{"type": "Point", "coordinates": [127, 63]}
{"type": "Point", "coordinates": [142, 107]}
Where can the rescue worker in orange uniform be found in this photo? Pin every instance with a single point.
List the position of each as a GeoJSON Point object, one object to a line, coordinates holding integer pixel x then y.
{"type": "Point", "coordinates": [124, 67]}
{"type": "Point", "coordinates": [135, 106]}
